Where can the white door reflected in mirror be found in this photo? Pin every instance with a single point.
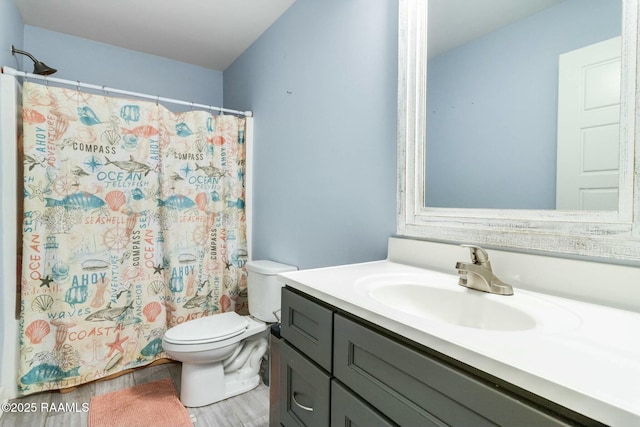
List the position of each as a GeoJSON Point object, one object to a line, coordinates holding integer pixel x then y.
{"type": "Point", "coordinates": [589, 127]}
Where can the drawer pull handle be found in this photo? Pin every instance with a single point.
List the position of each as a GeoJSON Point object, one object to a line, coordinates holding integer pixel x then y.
{"type": "Point", "coordinates": [306, 408]}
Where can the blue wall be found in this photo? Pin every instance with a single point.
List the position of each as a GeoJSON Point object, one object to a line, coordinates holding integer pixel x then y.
{"type": "Point", "coordinates": [102, 64]}
{"type": "Point", "coordinates": [322, 82]}
{"type": "Point", "coordinates": [492, 116]}
{"type": "Point", "coordinates": [11, 33]}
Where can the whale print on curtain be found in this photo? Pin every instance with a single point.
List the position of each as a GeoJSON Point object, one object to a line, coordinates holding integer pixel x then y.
{"type": "Point", "coordinates": [134, 221]}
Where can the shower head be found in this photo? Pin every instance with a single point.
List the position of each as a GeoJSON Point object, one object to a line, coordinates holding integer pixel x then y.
{"type": "Point", "coordinates": [38, 67]}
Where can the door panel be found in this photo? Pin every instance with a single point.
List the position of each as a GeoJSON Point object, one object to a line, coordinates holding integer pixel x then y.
{"type": "Point", "coordinates": [588, 127]}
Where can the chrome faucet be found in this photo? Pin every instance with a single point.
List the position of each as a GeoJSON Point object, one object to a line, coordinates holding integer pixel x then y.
{"type": "Point", "coordinates": [478, 274]}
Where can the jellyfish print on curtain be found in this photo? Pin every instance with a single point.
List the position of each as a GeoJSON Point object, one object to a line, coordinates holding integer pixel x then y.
{"type": "Point", "coordinates": [134, 222]}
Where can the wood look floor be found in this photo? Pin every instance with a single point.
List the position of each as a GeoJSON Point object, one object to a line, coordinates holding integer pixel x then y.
{"type": "Point", "coordinates": [250, 409]}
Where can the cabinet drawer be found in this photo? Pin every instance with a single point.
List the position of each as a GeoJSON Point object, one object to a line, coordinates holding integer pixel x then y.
{"type": "Point", "coordinates": [308, 327]}
{"type": "Point", "coordinates": [305, 390]}
{"type": "Point", "coordinates": [349, 410]}
{"type": "Point", "coordinates": [412, 388]}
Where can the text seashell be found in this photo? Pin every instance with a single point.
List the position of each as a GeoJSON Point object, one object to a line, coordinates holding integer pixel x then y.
{"type": "Point", "coordinates": [201, 201]}
{"type": "Point", "coordinates": [31, 116]}
{"type": "Point", "coordinates": [152, 310]}
{"type": "Point", "coordinates": [156, 287]}
{"type": "Point", "coordinates": [37, 330]}
{"type": "Point", "coordinates": [110, 136]}
{"type": "Point", "coordinates": [115, 199]}
{"type": "Point", "coordinates": [42, 303]}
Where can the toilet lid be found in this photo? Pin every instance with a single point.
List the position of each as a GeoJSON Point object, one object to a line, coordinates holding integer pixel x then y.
{"type": "Point", "coordinates": [207, 329]}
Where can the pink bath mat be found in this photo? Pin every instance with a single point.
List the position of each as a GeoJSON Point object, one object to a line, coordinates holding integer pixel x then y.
{"type": "Point", "coordinates": [152, 404]}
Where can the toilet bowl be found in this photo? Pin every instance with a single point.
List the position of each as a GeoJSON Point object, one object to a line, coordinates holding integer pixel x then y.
{"type": "Point", "coordinates": [221, 353]}
{"type": "Point", "coordinates": [206, 345]}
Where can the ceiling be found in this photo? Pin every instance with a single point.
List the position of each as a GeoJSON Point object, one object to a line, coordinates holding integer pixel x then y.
{"type": "Point", "coordinates": [208, 33]}
{"type": "Point", "coordinates": [213, 33]}
{"type": "Point", "coordinates": [453, 23]}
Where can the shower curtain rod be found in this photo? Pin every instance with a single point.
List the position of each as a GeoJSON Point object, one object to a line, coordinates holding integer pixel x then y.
{"type": "Point", "coordinates": [10, 71]}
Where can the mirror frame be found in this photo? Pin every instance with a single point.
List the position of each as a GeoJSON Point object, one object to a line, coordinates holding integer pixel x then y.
{"type": "Point", "coordinates": [612, 235]}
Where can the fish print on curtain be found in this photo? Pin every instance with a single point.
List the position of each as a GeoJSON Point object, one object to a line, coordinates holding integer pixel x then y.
{"type": "Point", "coordinates": [134, 222]}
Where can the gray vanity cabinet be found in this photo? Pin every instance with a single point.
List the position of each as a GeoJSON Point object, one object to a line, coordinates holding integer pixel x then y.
{"type": "Point", "coordinates": [308, 326]}
{"type": "Point", "coordinates": [305, 390]}
{"type": "Point", "coordinates": [337, 370]}
{"type": "Point", "coordinates": [414, 389]}
{"type": "Point", "coordinates": [310, 396]}
{"type": "Point", "coordinates": [347, 409]}
{"type": "Point", "coordinates": [305, 361]}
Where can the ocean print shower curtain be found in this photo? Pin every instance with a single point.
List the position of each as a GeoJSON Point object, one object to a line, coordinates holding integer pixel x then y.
{"type": "Point", "coordinates": [134, 222]}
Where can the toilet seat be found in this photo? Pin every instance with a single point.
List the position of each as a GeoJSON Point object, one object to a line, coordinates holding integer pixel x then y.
{"type": "Point", "coordinates": [217, 327]}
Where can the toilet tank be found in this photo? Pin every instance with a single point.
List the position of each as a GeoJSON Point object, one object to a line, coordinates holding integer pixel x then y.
{"type": "Point", "coordinates": [263, 288]}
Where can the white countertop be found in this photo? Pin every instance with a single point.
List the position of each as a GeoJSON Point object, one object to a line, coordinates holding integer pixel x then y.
{"type": "Point", "coordinates": [589, 364]}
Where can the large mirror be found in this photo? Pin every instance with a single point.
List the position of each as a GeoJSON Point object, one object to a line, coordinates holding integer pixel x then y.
{"type": "Point", "coordinates": [495, 71]}
{"type": "Point", "coordinates": [496, 132]}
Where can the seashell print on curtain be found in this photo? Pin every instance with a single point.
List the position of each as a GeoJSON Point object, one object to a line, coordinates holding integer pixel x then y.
{"type": "Point", "coordinates": [134, 222]}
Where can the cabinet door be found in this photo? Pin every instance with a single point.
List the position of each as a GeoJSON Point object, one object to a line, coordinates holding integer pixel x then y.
{"type": "Point", "coordinates": [308, 326]}
{"type": "Point", "coordinates": [305, 390]}
{"type": "Point", "coordinates": [415, 389]}
{"type": "Point", "coordinates": [350, 411]}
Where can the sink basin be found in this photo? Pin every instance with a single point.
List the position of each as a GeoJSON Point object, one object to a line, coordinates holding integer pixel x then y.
{"type": "Point", "coordinates": [437, 297]}
{"type": "Point", "coordinates": [472, 310]}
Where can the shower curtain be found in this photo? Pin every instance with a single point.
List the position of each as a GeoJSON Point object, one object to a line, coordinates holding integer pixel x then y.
{"type": "Point", "coordinates": [134, 222]}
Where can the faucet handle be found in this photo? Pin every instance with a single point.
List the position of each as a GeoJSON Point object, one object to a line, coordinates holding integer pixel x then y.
{"type": "Point", "coordinates": [478, 255]}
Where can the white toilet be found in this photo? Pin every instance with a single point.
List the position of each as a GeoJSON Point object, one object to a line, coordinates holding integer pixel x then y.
{"type": "Point", "coordinates": [221, 354]}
